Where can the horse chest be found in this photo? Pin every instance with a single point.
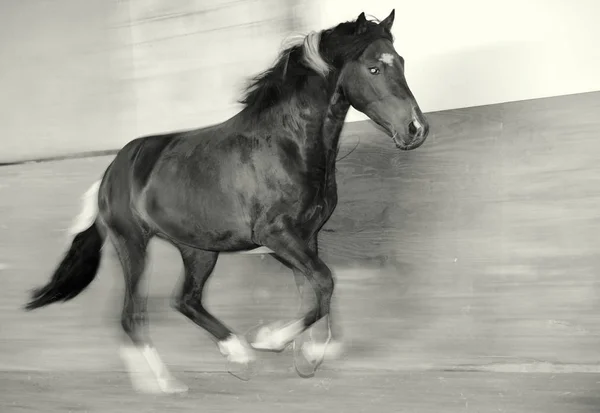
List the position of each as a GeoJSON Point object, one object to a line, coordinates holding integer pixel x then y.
{"type": "Point", "coordinates": [319, 210]}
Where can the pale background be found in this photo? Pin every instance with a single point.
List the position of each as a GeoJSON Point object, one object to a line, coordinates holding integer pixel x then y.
{"type": "Point", "coordinates": [467, 270]}
{"type": "Point", "coordinates": [83, 76]}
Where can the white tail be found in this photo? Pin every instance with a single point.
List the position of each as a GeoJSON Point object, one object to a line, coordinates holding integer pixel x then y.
{"type": "Point", "coordinates": [89, 212]}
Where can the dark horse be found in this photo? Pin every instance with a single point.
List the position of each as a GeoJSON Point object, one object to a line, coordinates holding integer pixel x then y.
{"type": "Point", "coordinates": [264, 178]}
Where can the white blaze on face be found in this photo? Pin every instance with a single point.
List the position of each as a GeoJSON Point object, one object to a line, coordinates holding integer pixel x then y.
{"type": "Point", "coordinates": [387, 58]}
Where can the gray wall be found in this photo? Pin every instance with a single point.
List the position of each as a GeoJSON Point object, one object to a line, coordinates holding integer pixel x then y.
{"type": "Point", "coordinates": [86, 76]}
{"type": "Point", "coordinates": [60, 91]}
{"type": "Point", "coordinates": [91, 75]}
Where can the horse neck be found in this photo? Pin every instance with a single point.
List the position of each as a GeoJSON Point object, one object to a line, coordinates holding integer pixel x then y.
{"type": "Point", "coordinates": [325, 143]}
{"type": "Point", "coordinates": [323, 114]}
{"type": "Point", "coordinates": [313, 117]}
{"type": "Point", "coordinates": [334, 121]}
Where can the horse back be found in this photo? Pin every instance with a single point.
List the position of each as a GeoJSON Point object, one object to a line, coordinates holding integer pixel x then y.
{"type": "Point", "coordinates": [149, 150]}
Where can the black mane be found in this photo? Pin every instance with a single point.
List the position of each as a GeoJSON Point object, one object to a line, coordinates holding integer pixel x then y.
{"type": "Point", "coordinates": [289, 74]}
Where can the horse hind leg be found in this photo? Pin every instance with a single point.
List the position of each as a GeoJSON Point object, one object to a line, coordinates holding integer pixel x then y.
{"type": "Point", "coordinates": [198, 266]}
{"type": "Point", "coordinates": [147, 372]}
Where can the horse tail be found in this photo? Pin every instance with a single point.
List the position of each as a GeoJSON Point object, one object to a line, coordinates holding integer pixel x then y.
{"type": "Point", "coordinates": [81, 262]}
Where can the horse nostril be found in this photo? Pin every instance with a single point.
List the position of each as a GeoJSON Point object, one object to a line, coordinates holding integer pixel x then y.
{"type": "Point", "coordinates": [414, 127]}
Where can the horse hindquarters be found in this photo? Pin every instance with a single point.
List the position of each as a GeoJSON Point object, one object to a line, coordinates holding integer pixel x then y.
{"type": "Point", "coordinates": [131, 174]}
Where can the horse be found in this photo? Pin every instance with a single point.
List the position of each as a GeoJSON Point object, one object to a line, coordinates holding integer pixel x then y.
{"type": "Point", "coordinates": [265, 178]}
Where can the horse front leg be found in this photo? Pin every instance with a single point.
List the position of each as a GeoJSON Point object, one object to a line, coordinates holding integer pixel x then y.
{"type": "Point", "coordinates": [291, 249]}
{"type": "Point", "coordinates": [323, 340]}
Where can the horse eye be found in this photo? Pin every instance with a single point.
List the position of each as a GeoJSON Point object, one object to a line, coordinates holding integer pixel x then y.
{"type": "Point", "coordinates": [374, 70]}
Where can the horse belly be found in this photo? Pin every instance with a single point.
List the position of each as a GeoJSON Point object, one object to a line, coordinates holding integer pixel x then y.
{"type": "Point", "coordinates": [205, 221]}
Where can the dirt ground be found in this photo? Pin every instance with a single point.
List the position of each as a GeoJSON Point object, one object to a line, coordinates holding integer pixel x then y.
{"type": "Point", "coordinates": [347, 392]}
{"type": "Point", "coordinates": [419, 337]}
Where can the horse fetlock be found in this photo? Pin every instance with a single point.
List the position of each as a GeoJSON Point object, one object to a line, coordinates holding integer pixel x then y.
{"type": "Point", "coordinates": [277, 336]}
{"type": "Point", "coordinates": [142, 374]}
{"type": "Point", "coordinates": [236, 350]}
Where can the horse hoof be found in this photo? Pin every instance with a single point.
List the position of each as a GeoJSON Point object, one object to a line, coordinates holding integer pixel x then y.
{"type": "Point", "coordinates": [308, 355]}
{"type": "Point", "coordinates": [144, 385]}
{"type": "Point", "coordinates": [243, 371]}
{"type": "Point", "coordinates": [305, 365]}
{"type": "Point", "coordinates": [262, 337]}
{"type": "Point", "coordinates": [329, 351]}
{"type": "Point", "coordinates": [172, 386]}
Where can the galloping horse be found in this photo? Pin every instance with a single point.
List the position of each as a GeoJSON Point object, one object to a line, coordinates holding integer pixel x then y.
{"type": "Point", "coordinates": [264, 178]}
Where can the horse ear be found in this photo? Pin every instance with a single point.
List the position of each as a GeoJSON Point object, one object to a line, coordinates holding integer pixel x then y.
{"type": "Point", "coordinates": [361, 23]}
{"type": "Point", "coordinates": [388, 22]}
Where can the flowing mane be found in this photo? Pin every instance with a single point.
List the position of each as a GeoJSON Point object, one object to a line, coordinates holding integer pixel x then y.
{"type": "Point", "coordinates": [318, 53]}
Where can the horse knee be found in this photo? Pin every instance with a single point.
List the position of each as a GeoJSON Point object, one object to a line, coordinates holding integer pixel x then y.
{"type": "Point", "coordinates": [324, 282]}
